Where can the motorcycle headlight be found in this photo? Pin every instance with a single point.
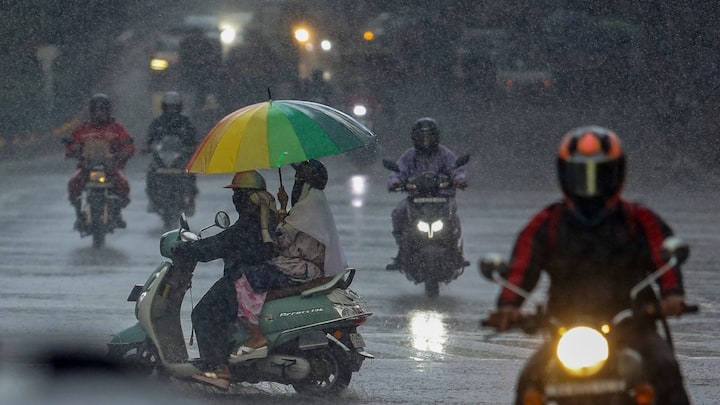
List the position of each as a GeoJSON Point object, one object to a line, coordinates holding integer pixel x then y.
{"type": "Point", "coordinates": [582, 351]}
{"type": "Point", "coordinates": [98, 176]}
{"type": "Point", "coordinates": [430, 229]}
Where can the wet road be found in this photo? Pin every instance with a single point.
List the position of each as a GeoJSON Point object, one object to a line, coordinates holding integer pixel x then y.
{"type": "Point", "coordinates": [55, 287]}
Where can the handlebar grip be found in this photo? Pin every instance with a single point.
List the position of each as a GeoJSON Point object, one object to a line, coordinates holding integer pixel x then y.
{"type": "Point", "coordinates": [691, 309]}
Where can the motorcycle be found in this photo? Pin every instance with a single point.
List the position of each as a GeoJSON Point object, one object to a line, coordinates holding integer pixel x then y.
{"type": "Point", "coordinates": [170, 188]}
{"type": "Point", "coordinates": [313, 342]}
{"type": "Point", "coordinates": [591, 364]}
{"type": "Point", "coordinates": [99, 206]}
{"type": "Point", "coordinates": [431, 250]}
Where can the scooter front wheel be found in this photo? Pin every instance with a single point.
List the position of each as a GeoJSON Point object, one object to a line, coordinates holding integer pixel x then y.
{"type": "Point", "coordinates": [143, 358]}
{"type": "Point", "coordinates": [330, 372]}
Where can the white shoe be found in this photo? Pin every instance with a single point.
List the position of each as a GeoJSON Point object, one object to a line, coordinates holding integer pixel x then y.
{"type": "Point", "coordinates": [248, 353]}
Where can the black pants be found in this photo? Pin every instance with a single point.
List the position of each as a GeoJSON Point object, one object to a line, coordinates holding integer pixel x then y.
{"type": "Point", "coordinates": [212, 318]}
{"type": "Point", "coordinates": [658, 362]}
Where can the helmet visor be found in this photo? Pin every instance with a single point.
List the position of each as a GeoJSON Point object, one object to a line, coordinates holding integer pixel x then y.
{"type": "Point", "coordinates": [590, 178]}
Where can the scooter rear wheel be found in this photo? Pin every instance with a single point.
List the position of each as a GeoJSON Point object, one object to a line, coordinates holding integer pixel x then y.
{"type": "Point", "coordinates": [330, 374]}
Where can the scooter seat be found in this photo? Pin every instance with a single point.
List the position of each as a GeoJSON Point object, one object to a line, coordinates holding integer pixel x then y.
{"type": "Point", "coordinates": [341, 280]}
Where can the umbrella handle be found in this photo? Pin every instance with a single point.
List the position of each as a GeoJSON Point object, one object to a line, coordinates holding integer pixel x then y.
{"type": "Point", "coordinates": [283, 200]}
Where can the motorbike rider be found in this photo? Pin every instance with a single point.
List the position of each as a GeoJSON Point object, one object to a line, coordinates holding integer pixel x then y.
{"type": "Point", "coordinates": [172, 122]}
{"type": "Point", "coordinates": [246, 242]}
{"type": "Point", "coordinates": [308, 247]}
{"type": "Point", "coordinates": [595, 246]}
{"type": "Point", "coordinates": [426, 155]}
{"type": "Point", "coordinates": [100, 135]}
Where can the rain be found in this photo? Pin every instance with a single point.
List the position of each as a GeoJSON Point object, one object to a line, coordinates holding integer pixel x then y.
{"type": "Point", "coordinates": [503, 79]}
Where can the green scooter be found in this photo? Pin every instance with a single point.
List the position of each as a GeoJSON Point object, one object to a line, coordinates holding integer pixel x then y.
{"type": "Point", "coordinates": [312, 332]}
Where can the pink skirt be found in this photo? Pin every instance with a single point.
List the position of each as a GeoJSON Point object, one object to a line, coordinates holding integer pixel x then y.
{"type": "Point", "coordinates": [250, 303]}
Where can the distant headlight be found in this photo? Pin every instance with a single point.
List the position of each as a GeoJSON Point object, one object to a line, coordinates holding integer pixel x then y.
{"type": "Point", "coordinates": [359, 110]}
{"type": "Point", "coordinates": [159, 64]}
{"type": "Point", "coordinates": [582, 351]}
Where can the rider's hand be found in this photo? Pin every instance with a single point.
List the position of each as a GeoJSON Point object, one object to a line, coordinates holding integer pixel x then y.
{"type": "Point", "coordinates": [395, 185]}
{"type": "Point", "coordinates": [504, 317]}
{"type": "Point", "coordinates": [673, 305]}
{"type": "Point", "coordinates": [459, 183]}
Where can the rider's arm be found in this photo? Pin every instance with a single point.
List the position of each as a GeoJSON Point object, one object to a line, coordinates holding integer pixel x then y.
{"type": "Point", "coordinates": [123, 147]}
{"type": "Point", "coordinates": [525, 262]}
{"type": "Point", "coordinates": [656, 231]}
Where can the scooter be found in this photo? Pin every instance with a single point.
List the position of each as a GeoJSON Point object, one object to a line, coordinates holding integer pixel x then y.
{"type": "Point", "coordinates": [431, 250]}
{"type": "Point", "coordinates": [169, 187]}
{"type": "Point", "coordinates": [313, 341]}
{"type": "Point", "coordinates": [591, 365]}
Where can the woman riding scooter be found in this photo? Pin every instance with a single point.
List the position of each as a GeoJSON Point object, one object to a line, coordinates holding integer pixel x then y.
{"type": "Point", "coordinates": [308, 247]}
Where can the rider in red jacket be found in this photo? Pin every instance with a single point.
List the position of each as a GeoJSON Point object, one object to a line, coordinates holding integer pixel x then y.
{"type": "Point", "coordinates": [100, 138]}
{"type": "Point", "coordinates": [595, 247]}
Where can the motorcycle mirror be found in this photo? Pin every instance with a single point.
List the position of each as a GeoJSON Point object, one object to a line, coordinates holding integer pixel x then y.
{"type": "Point", "coordinates": [675, 247]}
{"type": "Point", "coordinates": [493, 263]}
{"type": "Point", "coordinates": [462, 160]}
{"type": "Point", "coordinates": [390, 165]}
{"type": "Point", "coordinates": [222, 220]}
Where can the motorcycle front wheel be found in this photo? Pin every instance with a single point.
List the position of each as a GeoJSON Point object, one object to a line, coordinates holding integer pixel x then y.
{"type": "Point", "coordinates": [330, 372]}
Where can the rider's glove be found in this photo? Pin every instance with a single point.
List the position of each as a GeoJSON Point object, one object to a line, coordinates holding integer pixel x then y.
{"type": "Point", "coordinates": [503, 318]}
{"type": "Point", "coordinates": [395, 184]}
{"type": "Point", "coordinates": [673, 305]}
{"type": "Point", "coordinates": [459, 182]}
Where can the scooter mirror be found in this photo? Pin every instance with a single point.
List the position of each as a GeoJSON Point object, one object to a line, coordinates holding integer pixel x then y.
{"type": "Point", "coordinates": [390, 165]}
{"type": "Point", "coordinates": [184, 221]}
{"type": "Point", "coordinates": [462, 160]}
{"type": "Point", "coordinates": [675, 247]}
{"type": "Point", "coordinates": [493, 263]}
{"type": "Point", "coordinates": [222, 220]}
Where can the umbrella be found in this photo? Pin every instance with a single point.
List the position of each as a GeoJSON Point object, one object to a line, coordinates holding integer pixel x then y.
{"type": "Point", "coordinates": [277, 132]}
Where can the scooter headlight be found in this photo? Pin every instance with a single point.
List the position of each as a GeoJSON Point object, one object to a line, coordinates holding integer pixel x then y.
{"type": "Point", "coordinates": [430, 229]}
{"type": "Point", "coordinates": [582, 351]}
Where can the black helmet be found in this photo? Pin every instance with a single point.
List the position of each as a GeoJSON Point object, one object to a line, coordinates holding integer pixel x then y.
{"type": "Point", "coordinates": [425, 135]}
{"type": "Point", "coordinates": [312, 172]}
{"type": "Point", "coordinates": [591, 170]}
{"type": "Point", "coordinates": [100, 109]}
{"type": "Point", "coordinates": [172, 102]}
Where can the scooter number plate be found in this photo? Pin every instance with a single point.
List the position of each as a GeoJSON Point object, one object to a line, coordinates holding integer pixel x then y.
{"type": "Point", "coordinates": [357, 340]}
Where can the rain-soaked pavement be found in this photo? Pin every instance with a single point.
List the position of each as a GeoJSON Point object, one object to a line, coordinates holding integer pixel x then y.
{"type": "Point", "coordinates": [56, 287]}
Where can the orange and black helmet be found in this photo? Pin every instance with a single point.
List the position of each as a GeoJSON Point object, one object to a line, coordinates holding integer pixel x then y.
{"type": "Point", "coordinates": [591, 168]}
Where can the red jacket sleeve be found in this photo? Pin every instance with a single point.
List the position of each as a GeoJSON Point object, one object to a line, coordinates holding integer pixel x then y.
{"type": "Point", "coordinates": [525, 266]}
{"type": "Point", "coordinates": [656, 230]}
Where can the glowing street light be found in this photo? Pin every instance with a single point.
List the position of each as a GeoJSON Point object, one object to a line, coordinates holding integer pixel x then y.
{"type": "Point", "coordinates": [302, 35]}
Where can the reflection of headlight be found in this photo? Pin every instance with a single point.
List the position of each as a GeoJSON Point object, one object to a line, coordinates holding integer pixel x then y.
{"type": "Point", "coordinates": [430, 229]}
{"type": "Point", "coordinates": [159, 64]}
{"type": "Point", "coordinates": [228, 35]}
{"type": "Point", "coordinates": [428, 331]}
{"type": "Point", "coordinates": [359, 110]}
{"type": "Point", "coordinates": [582, 351]}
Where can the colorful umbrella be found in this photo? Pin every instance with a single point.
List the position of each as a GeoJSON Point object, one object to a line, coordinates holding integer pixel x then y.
{"type": "Point", "coordinates": [274, 133]}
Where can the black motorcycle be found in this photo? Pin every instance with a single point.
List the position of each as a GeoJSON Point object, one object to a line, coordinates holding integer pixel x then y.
{"type": "Point", "coordinates": [431, 249]}
{"type": "Point", "coordinates": [591, 363]}
{"type": "Point", "coordinates": [170, 189]}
